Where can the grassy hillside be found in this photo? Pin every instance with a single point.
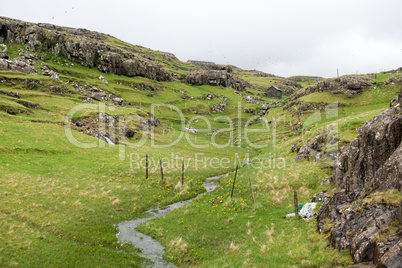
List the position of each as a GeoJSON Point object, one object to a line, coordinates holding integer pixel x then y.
{"type": "Point", "coordinates": [60, 203]}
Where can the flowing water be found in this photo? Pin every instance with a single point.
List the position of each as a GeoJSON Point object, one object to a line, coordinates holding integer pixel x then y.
{"type": "Point", "coordinates": [150, 248]}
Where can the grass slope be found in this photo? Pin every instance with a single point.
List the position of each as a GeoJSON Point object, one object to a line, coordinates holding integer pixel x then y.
{"type": "Point", "coordinates": [60, 204]}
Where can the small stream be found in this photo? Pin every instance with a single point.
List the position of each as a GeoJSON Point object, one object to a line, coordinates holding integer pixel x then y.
{"type": "Point", "coordinates": [150, 248]}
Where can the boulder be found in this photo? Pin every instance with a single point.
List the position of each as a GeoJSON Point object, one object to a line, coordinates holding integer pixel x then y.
{"type": "Point", "coordinates": [99, 96]}
{"type": "Point", "coordinates": [3, 52]}
{"type": "Point", "coordinates": [218, 107]}
{"type": "Point", "coordinates": [3, 64]}
{"type": "Point", "coordinates": [49, 73]}
{"type": "Point", "coordinates": [189, 129]}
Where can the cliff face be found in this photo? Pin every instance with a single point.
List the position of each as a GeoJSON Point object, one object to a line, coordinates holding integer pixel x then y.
{"type": "Point", "coordinates": [81, 46]}
{"type": "Point", "coordinates": [367, 211]}
{"type": "Point", "coordinates": [372, 161]}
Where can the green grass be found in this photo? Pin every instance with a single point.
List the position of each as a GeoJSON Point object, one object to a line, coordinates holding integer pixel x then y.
{"type": "Point", "coordinates": [60, 204]}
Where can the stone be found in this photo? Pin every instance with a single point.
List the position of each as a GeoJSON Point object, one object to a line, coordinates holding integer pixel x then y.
{"type": "Point", "coordinates": [103, 79]}
{"type": "Point", "coordinates": [118, 100]}
{"type": "Point", "coordinates": [49, 73]}
{"type": "Point", "coordinates": [249, 99]}
{"type": "Point", "coordinates": [10, 94]}
{"type": "Point", "coordinates": [149, 124]}
{"type": "Point", "coordinates": [374, 153]}
{"type": "Point", "coordinates": [99, 96]}
{"type": "Point", "coordinates": [369, 164]}
{"type": "Point", "coordinates": [189, 129]}
{"type": "Point", "coordinates": [249, 110]}
{"type": "Point", "coordinates": [3, 64]}
{"type": "Point", "coordinates": [218, 107]}
{"type": "Point", "coordinates": [184, 96]}
{"type": "Point", "coordinates": [29, 104]}
{"type": "Point", "coordinates": [80, 46]}
{"type": "Point", "coordinates": [3, 52]}
{"type": "Point", "coordinates": [19, 65]}
{"type": "Point", "coordinates": [312, 147]}
{"type": "Point", "coordinates": [295, 148]}
{"type": "Point", "coordinates": [111, 62]}
{"type": "Point", "coordinates": [56, 89]}
{"type": "Point", "coordinates": [221, 78]}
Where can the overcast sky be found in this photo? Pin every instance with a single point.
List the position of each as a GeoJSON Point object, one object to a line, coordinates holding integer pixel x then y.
{"type": "Point", "coordinates": [283, 37]}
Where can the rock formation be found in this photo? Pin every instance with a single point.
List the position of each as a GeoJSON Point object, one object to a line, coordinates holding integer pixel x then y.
{"type": "Point", "coordinates": [368, 170]}
{"type": "Point", "coordinates": [373, 159]}
{"type": "Point", "coordinates": [115, 128]}
{"type": "Point", "coordinates": [348, 85]}
{"type": "Point", "coordinates": [216, 78]}
{"type": "Point", "coordinates": [80, 46]}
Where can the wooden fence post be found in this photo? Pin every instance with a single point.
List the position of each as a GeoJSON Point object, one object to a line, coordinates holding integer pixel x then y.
{"type": "Point", "coordinates": [251, 187]}
{"type": "Point", "coordinates": [234, 181]}
{"type": "Point", "coordinates": [146, 167]}
{"type": "Point", "coordinates": [182, 172]}
{"type": "Point", "coordinates": [296, 203]}
{"type": "Point", "coordinates": [160, 163]}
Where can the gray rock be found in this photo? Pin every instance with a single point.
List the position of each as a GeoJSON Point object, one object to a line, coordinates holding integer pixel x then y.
{"type": "Point", "coordinates": [3, 52]}
{"type": "Point", "coordinates": [218, 107]}
{"type": "Point", "coordinates": [10, 94]}
{"type": "Point", "coordinates": [3, 64]}
{"type": "Point", "coordinates": [312, 147]}
{"type": "Point", "coordinates": [370, 163]}
{"type": "Point", "coordinates": [80, 46]}
{"type": "Point", "coordinates": [99, 96]}
{"type": "Point", "coordinates": [189, 129]}
{"type": "Point", "coordinates": [216, 78]}
{"type": "Point", "coordinates": [373, 158]}
{"type": "Point", "coordinates": [49, 73]}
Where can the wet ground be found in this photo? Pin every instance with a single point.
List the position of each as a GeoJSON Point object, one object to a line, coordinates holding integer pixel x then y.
{"type": "Point", "coordinates": [150, 248]}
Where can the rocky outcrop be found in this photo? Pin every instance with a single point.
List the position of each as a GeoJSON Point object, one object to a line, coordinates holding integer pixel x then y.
{"type": "Point", "coordinates": [318, 147]}
{"type": "Point", "coordinates": [299, 108]}
{"type": "Point", "coordinates": [114, 129]}
{"type": "Point", "coordinates": [216, 78]}
{"type": "Point", "coordinates": [50, 73]}
{"type": "Point", "coordinates": [20, 64]}
{"type": "Point", "coordinates": [373, 159]}
{"type": "Point", "coordinates": [218, 107]}
{"type": "Point", "coordinates": [365, 213]}
{"type": "Point", "coordinates": [372, 232]}
{"type": "Point", "coordinates": [189, 129]}
{"type": "Point", "coordinates": [10, 94]}
{"type": "Point", "coordinates": [80, 46]}
{"type": "Point", "coordinates": [348, 85]}
{"type": "Point", "coordinates": [93, 93]}
{"type": "Point", "coordinates": [3, 52]}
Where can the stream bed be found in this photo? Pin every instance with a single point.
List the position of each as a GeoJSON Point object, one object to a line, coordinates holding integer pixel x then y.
{"type": "Point", "coordinates": [150, 248]}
